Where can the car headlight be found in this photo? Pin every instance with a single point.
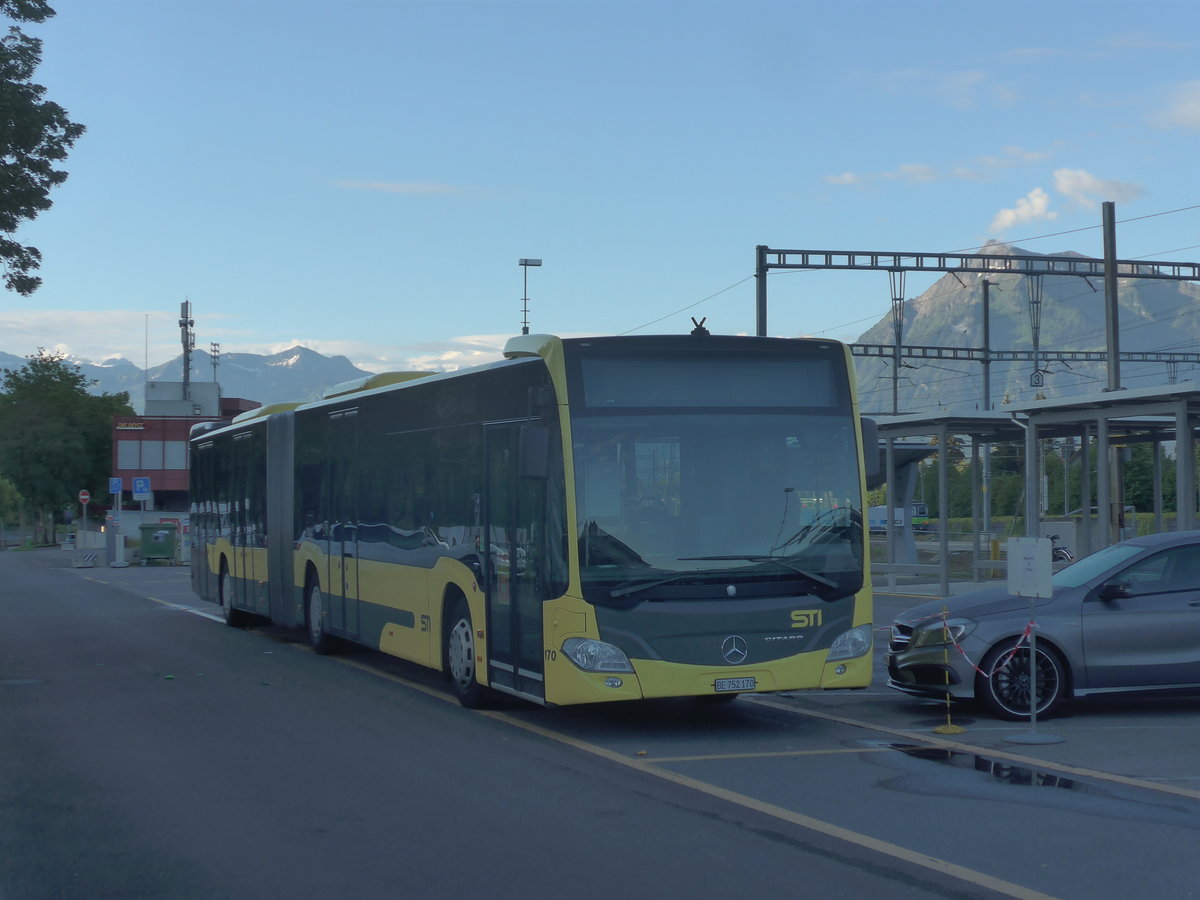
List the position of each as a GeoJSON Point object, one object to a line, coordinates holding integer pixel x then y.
{"type": "Point", "coordinates": [949, 632]}
{"type": "Point", "coordinates": [596, 656]}
{"type": "Point", "coordinates": [851, 644]}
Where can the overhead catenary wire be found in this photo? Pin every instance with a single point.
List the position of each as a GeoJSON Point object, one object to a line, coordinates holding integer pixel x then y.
{"type": "Point", "coordinates": [1006, 371]}
{"type": "Point", "coordinates": [689, 306]}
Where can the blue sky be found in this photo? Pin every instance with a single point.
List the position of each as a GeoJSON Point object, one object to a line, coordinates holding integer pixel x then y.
{"type": "Point", "coordinates": [361, 177]}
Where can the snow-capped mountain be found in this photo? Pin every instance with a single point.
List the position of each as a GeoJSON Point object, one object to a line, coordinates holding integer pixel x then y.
{"type": "Point", "coordinates": [295, 374]}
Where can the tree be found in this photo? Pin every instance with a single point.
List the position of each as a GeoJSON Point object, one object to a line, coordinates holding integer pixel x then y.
{"type": "Point", "coordinates": [10, 502]}
{"type": "Point", "coordinates": [1139, 479]}
{"type": "Point", "coordinates": [55, 437]}
{"type": "Point", "coordinates": [35, 135]}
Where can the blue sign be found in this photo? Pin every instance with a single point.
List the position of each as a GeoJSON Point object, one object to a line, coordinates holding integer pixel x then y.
{"type": "Point", "coordinates": [116, 485]}
{"type": "Point", "coordinates": [141, 489]}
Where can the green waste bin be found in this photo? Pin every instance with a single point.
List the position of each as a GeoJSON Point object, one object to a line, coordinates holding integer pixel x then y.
{"type": "Point", "coordinates": [158, 543]}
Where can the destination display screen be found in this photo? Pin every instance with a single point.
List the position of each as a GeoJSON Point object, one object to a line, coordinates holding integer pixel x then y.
{"type": "Point", "coordinates": [768, 382]}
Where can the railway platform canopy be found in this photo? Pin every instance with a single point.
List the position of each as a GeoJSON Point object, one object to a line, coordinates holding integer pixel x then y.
{"type": "Point", "coordinates": [1103, 422]}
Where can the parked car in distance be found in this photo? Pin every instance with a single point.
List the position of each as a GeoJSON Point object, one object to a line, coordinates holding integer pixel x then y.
{"type": "Point", "coordinates": [1126, 618]}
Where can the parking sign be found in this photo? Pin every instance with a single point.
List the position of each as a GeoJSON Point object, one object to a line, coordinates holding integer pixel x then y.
{"type": "Point", "coordinates": [141, 489]}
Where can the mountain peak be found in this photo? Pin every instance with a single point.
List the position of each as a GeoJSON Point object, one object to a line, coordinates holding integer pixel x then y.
{"type": "Point", "coordinates": [296, 374]}
{"type": "Point", "coordinates": [1154, 315]}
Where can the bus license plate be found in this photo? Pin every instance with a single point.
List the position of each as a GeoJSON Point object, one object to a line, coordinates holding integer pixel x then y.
{"type": "Point", "coordinates": [722, 685]}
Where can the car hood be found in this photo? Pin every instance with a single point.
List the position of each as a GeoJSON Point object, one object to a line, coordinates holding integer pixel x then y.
{"type": "Point", "coordinates": [984, 602]}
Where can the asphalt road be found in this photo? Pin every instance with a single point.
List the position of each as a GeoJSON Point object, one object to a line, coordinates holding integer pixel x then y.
{"type": "Point", "coordinates": [146, 750]}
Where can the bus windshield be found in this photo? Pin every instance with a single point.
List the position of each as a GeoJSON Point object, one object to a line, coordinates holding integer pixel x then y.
{"type": "Point", "coordinates": [723, 498]}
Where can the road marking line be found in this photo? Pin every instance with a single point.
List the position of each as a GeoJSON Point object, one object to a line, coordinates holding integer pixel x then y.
{"type": "Point", "coordinates": [779, 754]}
{"type": "Point", "coordinates": [775, 704]}
{"type": "Point", "coordinates": [212, 617]}
{"type": "Point", "coordinates": [885, 848]}
{"type": "Point", "coordinates": [988, 752]}
{"type": "Point", "coordinates": [650, 767]}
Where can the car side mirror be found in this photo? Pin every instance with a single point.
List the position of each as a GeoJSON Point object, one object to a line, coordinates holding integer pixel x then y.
{"type": "Point", "coordinates": [1112, 590]}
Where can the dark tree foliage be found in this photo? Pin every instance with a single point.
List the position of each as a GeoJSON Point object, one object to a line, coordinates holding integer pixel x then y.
{"type": "Point", "coordinates": [35, 135]}
{"type": "Point", "coordinates": [55, 437]}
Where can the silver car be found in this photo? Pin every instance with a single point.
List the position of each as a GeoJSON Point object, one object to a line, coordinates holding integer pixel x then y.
{"type": "Point", "coordinates": [1126, 618]}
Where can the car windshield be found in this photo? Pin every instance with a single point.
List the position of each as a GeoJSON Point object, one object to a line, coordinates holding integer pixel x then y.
{"type": "Point", "coordinates": [717, 498]}
{"type": "Point", "coordinates": [1090, 567]}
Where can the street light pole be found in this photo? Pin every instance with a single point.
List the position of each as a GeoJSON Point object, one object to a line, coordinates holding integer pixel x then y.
{"type": "Point", "coordinates": [525, 264]}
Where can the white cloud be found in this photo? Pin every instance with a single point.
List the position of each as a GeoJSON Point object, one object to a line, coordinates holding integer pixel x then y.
{"type": "Point", "coordinates": [1034, 206]}
{"type": "Point", "coordinates": [400, 187]}
{"type": "Point", "coordinates": [1028, 54]}
{"type": "Point", "coordinates": [93, 335]}
{"type": "Point", "coordinates": [960, 89]}
{"type": "Point", "coordinates": [1014, 154]}
{"type": "Point", "coordinates": [914, 173]}
{"type": "Point", "coordinates": [979, 169]}
{"type": "Point", "coordinates": [1088, 191]}
{"type": "Point", "coordinates": [1182, 108]}
{"type": "Point", "coordinates": [1143, 40]}
{"type": "Point", "coordinates": [844, 178]}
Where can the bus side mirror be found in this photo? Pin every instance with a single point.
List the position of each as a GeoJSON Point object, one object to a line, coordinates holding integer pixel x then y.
{"type": "Point", "coordinates": [535, 445]}
{"type": "Point", "coordinates": [870, 448]}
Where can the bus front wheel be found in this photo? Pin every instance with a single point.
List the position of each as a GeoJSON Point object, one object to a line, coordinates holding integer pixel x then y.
{"type": "Point", "coordinates": [314, 618]}
{"type": "Point", "coordinates": [460, 656]}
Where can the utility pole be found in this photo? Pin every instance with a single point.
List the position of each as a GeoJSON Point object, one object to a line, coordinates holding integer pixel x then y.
{"type": "Point", "coordinates": [987, 406]}
{"type": "Point", "coordinates": [987, 349]}
{"type": "Point", "coordinates": [1111, 325]}
{"type": "Point", "coordinates": [1114, 517]}
{"type": "Point", "coordinates": [897, 282]}
{"type": "Point", "coordinates": [760, 290]}
{"type": "Point", "coordinates": [525, 264]}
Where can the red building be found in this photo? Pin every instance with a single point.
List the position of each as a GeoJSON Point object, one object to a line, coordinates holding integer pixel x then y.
{"type": "Point", "coordinates": [155, 445]}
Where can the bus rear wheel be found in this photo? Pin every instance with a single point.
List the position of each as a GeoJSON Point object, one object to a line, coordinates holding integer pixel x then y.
{"type": "Point", "coordinates": [314, 618]}
{"type": "Point", "coordinates": [460, 656]}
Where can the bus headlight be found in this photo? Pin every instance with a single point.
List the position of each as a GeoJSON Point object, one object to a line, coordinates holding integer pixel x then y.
{"type": "Point", "coordinates": [596, 656]}
{"type": "Point", "coordinates": [851, 644]}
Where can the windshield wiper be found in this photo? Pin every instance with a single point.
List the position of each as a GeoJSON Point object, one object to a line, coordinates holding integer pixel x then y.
{"type": "Point", "coordinates": [636, 588]}
{"type": "Point", "coordinates": [781, 560]}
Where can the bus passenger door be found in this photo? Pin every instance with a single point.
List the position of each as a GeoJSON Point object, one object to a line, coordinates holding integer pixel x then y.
{"type": "Point", "coordinates": [342, 484]}
{"type": "Point", "coordinates": [242, 564]}
{"type": "Point", "coordinates": [512, 510]}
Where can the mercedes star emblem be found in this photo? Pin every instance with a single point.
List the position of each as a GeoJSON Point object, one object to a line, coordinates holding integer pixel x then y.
{"type": "Point", "coordinates": [734, 649]}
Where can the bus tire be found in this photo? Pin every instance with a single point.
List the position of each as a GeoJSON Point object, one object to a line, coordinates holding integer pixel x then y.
{"type": "Point", "coordinates": [314, 617]}
{"type": "Point", "coordinates": [233, 618]}
{"type": "Point", "coordinates": [460, 655]}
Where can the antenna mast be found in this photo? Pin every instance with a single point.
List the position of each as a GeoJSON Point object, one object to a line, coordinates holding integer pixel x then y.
{"type": "Point", "coordinates": [189, 344]}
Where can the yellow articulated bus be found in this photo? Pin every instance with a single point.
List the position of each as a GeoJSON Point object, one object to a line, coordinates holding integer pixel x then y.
{"type": "Point", "coordinates": [589, 519]}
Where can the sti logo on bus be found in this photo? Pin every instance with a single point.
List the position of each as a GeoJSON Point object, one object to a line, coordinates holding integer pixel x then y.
{"type": "Point", "coordinates": [806, 618]}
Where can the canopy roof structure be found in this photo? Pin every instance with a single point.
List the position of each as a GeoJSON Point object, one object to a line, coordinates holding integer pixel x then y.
{"type": "Point", "coordinates": [1101, 421]}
